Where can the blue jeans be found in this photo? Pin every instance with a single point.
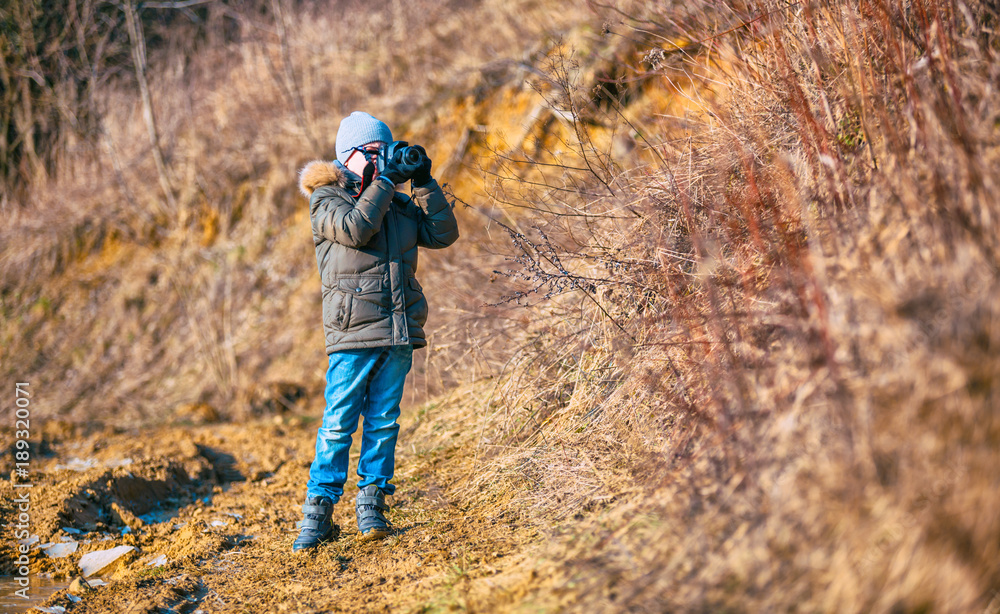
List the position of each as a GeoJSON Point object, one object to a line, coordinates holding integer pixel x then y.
{"type": "Point", "coordinates": [368, 383]}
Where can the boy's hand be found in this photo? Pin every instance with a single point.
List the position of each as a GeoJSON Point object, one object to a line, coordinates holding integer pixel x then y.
{"type": "Point", "coordinates": [395, 172]}
{"type": "Point", "coordinates": [422, 174]}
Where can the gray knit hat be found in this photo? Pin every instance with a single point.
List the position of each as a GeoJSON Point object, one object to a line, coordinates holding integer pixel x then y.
{"type": "Point", "coordinates": [359, 129]}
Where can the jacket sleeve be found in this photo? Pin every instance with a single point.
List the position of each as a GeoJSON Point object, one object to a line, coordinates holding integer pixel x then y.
{"type": "Point", "coordinates": [341, 219]}
{"type": "Point", "coordinates": [438, 226]}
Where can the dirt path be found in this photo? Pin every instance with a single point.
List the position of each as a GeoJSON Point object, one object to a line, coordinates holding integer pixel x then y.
{"type": "Point", "coordinates": [220, 503]}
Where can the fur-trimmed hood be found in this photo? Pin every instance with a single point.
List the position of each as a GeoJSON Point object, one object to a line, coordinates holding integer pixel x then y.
{"type": "Point", "coordinates": [319, 173]}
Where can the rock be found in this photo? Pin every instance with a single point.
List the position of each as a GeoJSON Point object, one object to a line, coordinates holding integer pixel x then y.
{"type": "Point", "coordinates": [157, 561]}
{"type": "Point", "coordinates": [60, 550]}
{"type": "Point", "coordinates": [76, 464]}
{"type": "Point", "coordinates": [80, 586]}
{"type": "Point", "coordinates": [103, 561]}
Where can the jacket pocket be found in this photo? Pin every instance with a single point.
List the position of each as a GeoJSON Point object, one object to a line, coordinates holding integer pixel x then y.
{"type": "Point", "coordinates": [345, 311]}
{"type": "Point", "coordinates": [336, 306]}
{"type": "Point", "coordinates": [362, 300]}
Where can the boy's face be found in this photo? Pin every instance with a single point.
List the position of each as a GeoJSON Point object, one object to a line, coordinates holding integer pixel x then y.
{"type": "Point", "coordinates": [357, 162]}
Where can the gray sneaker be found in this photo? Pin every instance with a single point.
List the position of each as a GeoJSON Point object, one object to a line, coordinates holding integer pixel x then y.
{"type": "Point", "coordinates": [370, 508]}
{"type": "Point", "coordinates": [316, 525]}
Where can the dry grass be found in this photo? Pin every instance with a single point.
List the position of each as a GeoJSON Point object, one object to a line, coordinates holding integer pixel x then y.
{"type": "Point", "coordinates": [776, 378]}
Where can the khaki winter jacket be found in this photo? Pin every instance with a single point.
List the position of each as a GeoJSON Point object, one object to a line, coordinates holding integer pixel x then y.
{"type": "Point", "coordinates": [366, 249]}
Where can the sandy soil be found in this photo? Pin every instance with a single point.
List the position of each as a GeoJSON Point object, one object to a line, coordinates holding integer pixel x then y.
{"type": "Point", "coordinates": [220, 502]}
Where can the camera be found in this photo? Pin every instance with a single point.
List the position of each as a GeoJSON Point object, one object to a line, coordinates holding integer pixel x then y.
{"type": "Point", "coordinates": [402, 154]}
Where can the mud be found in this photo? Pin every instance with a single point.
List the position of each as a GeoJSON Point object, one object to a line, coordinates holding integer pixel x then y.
{"type": "Point", "coordinates": [211, 510]}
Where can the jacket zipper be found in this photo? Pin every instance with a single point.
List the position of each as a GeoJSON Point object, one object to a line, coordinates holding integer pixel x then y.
{"type": "Point", "coordinates": [399, 268]}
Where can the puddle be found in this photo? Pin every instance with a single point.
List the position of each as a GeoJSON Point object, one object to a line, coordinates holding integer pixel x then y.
{"type": "Point", "coordinates": [40, 590]}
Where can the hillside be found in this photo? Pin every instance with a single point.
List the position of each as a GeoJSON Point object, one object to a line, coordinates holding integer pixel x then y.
{"type": "Point", "coordinates": [720, 333]}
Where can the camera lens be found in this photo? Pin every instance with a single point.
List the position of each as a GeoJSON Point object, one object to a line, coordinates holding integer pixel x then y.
{"type": "Point", "coordinates": [411, 156]}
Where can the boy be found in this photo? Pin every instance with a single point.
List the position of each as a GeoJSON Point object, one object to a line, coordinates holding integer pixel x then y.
{"type": "Point", "coordinates": [366, 237]}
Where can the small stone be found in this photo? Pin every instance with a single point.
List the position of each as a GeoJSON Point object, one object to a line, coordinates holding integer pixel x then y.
{"type": "Point", "coordinates": [80, 586]}
{"type": "Point", "coordinates": [58, 551]}
{"type": "Point", "coordinates": [157, 561]}
{"type": "Point", "coordinates": [103, 561]}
